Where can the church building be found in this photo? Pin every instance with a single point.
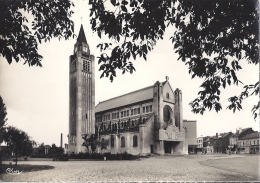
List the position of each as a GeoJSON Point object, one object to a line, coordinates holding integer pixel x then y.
{"type": "Point", "coordinates": [149, 120]}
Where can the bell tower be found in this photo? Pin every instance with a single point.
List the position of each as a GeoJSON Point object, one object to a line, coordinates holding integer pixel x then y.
{"type": "Point", "coordinates": [81, 94]}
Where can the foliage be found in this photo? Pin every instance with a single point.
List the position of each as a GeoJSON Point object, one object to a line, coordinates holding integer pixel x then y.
{"type": "Point", "coordinates": [19, 38]}
{"type": "Point", "coordinates": [3, 119]}
{"type": "Point", "coordinates": [41, 149]}
{"type": "Point", "coordinates": [18, 142]}
{"type": "Point", "coordinates": [89, 142]}
{"type": "Point", "coordinates": [103, 143]}
{"type": "Point", "coordinates": [54, 150]}
{"type": "Point", "coordinates": [109, 156]}
{"type": "Point", "coordinates": [212, 37]}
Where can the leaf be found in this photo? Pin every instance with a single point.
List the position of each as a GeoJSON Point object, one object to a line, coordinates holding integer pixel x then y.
{"type": "Point", "coordinates": [124, 2]}
{"type": "Point", "coordinates": [123, 8]}
{"type": "Point", "coordinates": [224, 83]}
{"type": "Point", "coordinates": [113, 2]}
{"type": "Point", "coordinates": [233, 75]}
{"type": "Point", "coordinates": [8, 55]}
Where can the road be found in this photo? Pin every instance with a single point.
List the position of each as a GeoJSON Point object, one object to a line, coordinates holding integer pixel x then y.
{"type": "Point", "coordinates": [155, 168]}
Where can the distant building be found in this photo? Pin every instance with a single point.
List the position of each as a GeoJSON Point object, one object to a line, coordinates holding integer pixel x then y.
{"type": "Point", "coordinates": [200, 144]}
{"type": "Point", "coordinates": [208, 144]}
{"type": "Point", "coordinates": [66, 148]}
{"type": "Point", "coordinates": [225, 141]}
{"type": "Point", "coordinates": [249, 143]}
{"type": "Point", "coordinates": [221, 142]}
{"type": "Point", "coordinates": [236, 136]}
{"type": "Point", "coordinates": [47, 148]}
{"type": "Point", "coordinates": [191, 126]}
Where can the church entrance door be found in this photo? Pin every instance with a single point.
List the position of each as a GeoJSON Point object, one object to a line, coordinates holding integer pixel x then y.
{"type": "Point", "coordinates": [167, 147]}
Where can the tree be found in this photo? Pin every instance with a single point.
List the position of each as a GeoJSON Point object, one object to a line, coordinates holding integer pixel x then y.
{"type": "Point", "coordinates": [212, 37]}
{"type": "Point", "coordinates": [56, 151]}
{"type": "Point", "coordinates": [19, 40]}
{"type": "Point", "coordinates": [89, 142]}
{"type": "Point", "coordinates": [41, 149]}
{"type": "Point", "coordinates": [18, 142]}
{"type": "Point", "coordinates": [3, 120]}
{"type": "Point", "coordinates": [103, 143]}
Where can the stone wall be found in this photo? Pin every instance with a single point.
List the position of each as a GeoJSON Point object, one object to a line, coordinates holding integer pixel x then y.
{"type": "Point", "coordinates": [147, 136]}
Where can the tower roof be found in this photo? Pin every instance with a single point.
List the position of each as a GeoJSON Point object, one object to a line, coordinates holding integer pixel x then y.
{"type": "Point", "coordinates": [81, 36]}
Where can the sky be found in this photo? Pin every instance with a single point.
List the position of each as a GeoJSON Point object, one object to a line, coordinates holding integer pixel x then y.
{"type": "Point", "coordinates": [37, 99]}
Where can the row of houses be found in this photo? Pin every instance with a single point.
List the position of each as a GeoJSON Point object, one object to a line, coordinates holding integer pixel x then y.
{"type": "Point", "coordinates": [242, 141]}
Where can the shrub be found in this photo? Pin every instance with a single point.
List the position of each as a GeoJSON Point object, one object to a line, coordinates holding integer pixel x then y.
{"type": "Point", "coordinates": [108, 155]}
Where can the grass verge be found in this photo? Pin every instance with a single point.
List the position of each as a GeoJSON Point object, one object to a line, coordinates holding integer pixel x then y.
{"type": "Point", "coordinates": [24, 168]}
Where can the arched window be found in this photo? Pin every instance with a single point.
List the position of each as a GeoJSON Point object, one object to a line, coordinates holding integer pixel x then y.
{"type": "Point", "coordinates": [112, 141]}
{"type": "Point", "coordinates": [135, 142]}
{"type": "Point", "coordinates": [123, 141]}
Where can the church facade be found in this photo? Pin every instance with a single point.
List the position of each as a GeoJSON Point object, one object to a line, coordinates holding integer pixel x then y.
{"type": "Point", "coordinates": [149, 120]}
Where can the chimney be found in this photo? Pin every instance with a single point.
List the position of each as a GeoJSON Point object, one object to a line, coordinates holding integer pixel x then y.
{"type": "Point", "coordinates": [61, 140]}
{"type": "Point", "coordinates": [240, 130]}
{"type": "Point", "coordinates": [217, 135]}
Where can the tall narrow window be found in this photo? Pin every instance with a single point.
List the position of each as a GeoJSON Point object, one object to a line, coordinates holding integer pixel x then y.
{"type": "Point", "coordinates": [123, 141]}
{"type": "Point", "coordinates": [112, 141]}
{"type": "Point", "coordinates": [86, 66]}
{"type": "Point", "coordinates": [135, 143]}
{"type": "Point", "coordinates": [143, 109]}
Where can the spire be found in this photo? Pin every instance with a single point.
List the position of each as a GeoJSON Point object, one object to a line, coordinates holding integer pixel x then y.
{"type": "Point", "coordinates": [81, 36]}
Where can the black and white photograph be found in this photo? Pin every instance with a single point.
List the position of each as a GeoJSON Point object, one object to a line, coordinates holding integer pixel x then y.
{"type": "Point", "coordinates": [129, 90]}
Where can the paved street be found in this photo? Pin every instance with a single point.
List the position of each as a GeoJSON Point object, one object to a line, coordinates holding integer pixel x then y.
{"type": "Point", "coordinates": [156, 168]}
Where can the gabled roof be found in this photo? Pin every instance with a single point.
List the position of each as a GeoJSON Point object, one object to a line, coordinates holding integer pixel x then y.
{"type": "Point", "coordinates": [81, 37]}
{"type": "Point", "coordinates": [225, 134]}
{"type": "Point", "coordinates": [251, 136]}
{"type": "Point", "coordinates": [126, 99]}
{"type": "Point", "coordinates": [237, 134]}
